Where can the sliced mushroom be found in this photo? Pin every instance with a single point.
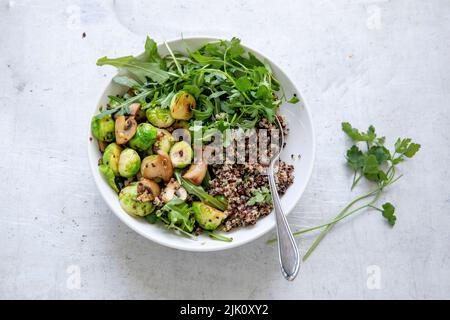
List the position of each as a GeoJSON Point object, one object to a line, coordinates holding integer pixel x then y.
{"type": "Point", "coordinates": [173, 189]}
{"type": "Point", "coordinates": [157, 166]}
{"type": "Point", "coordinates": [125, 129]}
{"type": "Point", "coordinates": [102, 145]}
{"type": "Point", "coordinates": [147, 190]}
{"type": "Point", "coordinates": [196, 172]}
{"type": "Point", "coordinates": [134, 108]}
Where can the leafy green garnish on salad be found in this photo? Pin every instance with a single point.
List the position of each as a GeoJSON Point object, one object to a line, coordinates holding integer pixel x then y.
{"type": "Point", "coordinates": [218, 86]}
{"type": "Point", "coordinates": [262, 195]}
{"type": "Point", "coordinates": [222, 75]}
{"type": "Point", "coordinates": [199, 192]}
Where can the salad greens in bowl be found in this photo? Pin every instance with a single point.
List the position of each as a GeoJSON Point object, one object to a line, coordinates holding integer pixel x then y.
{"type": "Point", "coordinates": [180, 140]}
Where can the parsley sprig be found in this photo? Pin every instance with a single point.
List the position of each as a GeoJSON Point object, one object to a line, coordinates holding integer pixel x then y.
{"type": "Point", "coordinates": [375, 163]}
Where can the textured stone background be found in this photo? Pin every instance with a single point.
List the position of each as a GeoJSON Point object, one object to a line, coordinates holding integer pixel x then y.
{"type": "Point", "coordinates": [369, 62]}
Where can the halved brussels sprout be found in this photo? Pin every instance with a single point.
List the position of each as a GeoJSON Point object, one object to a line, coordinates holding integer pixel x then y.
{"type": "Point", "coordinates": [125, 129]}
{"type": "Point", "coordinates": [208, 218]}
{"type": "Point", "coordinates": [103, 128]}
{"type": "Point", "coordinates": [109, 176]}
{"type": "Point", "coordinates": [129, 163]}
{"type": "Point", "coordinates": [181, 134]}
{"type": "Point", "coordinates": [164, 141]}
{"type": "Point", "coordinates": [181, 105]}
{"type": "Point", "coordinates": [129, 203]}
{"type": "Point", "coordinates": [196, 172]}
{"type": "Point", "coordinates": [181, 124]}
{"type": "Point", "coordinates": [157, 166]}
{"type": "Point", "coordinates": [181, 154]}
{"type": "Point", "coordinates": [144, 138]}
{"type": "Point", "coordinates": [147, 190]}
{"type": "Point", "coordinates": [111, 157]}
{"type": "Point", "coordinates": [160, 117]}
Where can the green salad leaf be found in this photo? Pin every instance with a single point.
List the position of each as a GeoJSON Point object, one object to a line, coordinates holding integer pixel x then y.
{"type": "Point", "coordinates": [141, 69]}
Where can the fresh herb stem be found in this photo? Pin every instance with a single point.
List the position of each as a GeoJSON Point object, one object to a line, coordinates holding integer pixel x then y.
{"type": "Point", "coordinates": [171, 226]}
{"type": "Point", "coordinates": [217, 236]}
{"type": "Point", "coordinates": [174, 59]}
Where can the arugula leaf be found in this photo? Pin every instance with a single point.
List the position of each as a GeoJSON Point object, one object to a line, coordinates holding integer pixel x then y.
{"type": "Point", "coordinates": [217, 236]}
{"type": "Point", "coordinates": [151, 218]}
{"type": "Point", "coordinates": [122, 107]}
{"type": "Point", "coordinates": [126, 81]}
{"type": "Point", "coordinates": [200, 193]}
{"type": "Point", "coordinates": [243, 84]}
{"type": "Point", "coordinates": [139, 68]}
{"type": "Point", "coordinates": [205, 109]}
{"type": "Point", "coordinates": [151, 53]}
{"type": "Point", "coordinates": [109, 176]}
{"type": "Point", "coordinates": [179, 214]}
{"type": "Point", "coordinates": [234, 48]}
{"type": "Point", "coordinates": [389, 213]}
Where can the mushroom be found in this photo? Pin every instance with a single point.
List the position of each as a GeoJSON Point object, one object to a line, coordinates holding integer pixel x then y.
{"type": "Point", "coordinates": [135, 110]}
{"type": "Point", "coordinates": [147, 190]}
{"type": "Point", "coordinates": [125, 129]}
{"type": "Point", "coordinates": [157, 166]}
{"type": "Point", "coordinates": [173, 189]}
{"type": "Point", "coordinates": [102, 145]}
{"type": "Point", "coordinates": [196, 172]}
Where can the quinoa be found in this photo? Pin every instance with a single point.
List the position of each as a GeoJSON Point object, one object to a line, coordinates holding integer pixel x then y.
{"type": "Point", "coordinates": [238, 183]}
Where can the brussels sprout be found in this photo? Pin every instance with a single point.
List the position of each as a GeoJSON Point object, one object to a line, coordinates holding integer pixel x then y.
{"type": "Point", "coordinates": [207, 217]}
{"type": "Point", "coordinates": [196, 172]}
{"type": "Point", "coordinates": [103, 128]}
{"type": "Point", "coordinates": [181, 134]}
{"type": "Point", "coordinates": [144, 138]}
{"type": "Point", "coordinates": [129, 163]}
{"type": "Point", "coordinates": [109, 176]}
{"type": "Point", "coordinates": [111, 157]}
{"type": "Point", "coordinates": [157, 166]}
{"type": "Point", "coordinates": [164, 141]}
{"type": "Point", "coordinates": [125, 129]}
{"type": "Point", "coordinates": [129, 203]}
{"type": "Point", "coordinates": [160, 117]}
{"type": "Point", "coordinates": [181, 124]}
{"type": "Point", "coordinates": [181, 106]}
{"type": "Point", "coordinates": [181, 154]}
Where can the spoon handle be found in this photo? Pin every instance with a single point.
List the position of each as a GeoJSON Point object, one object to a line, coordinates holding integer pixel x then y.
{"type": "Point", "coordinates": [287, 248]}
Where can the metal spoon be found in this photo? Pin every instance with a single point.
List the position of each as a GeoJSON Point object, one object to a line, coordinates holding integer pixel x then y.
{"type": "Point", "coordinates": [287, 248]}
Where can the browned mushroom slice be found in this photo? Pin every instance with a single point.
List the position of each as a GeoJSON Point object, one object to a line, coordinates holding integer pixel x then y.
{"type": "Point", "coordinates": [157, 166]}
{"type": "Point", "coordinates": [147, 190]}
{"type": "Point", "coordinates": [173, 189]}
{"type": "Point", "coordinates": [102, 145]}
{"type": "Point", "coordinates": [125, 129]}
{"type": "Point", "coordinates": [139, 115]}
{"type": "Point", "coordinates": [134, 108]}
{"type": "Point", "coordinates": [196, 172]}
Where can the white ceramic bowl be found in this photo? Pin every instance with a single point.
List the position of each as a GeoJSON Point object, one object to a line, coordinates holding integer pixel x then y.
{"type": "Point", "coordinates": [299, 141]}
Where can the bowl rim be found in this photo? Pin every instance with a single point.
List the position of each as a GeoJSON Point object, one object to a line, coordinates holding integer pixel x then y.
{"type": "Point", "coordinates": [233, 244]}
